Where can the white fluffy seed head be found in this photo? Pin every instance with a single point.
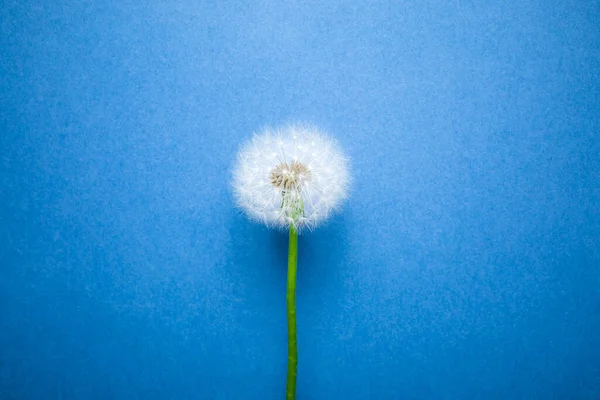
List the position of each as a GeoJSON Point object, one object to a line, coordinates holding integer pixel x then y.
{"type": "Point", "coordinates": [293, 176]}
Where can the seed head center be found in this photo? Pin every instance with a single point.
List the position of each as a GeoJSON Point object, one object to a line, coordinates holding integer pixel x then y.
{"type": "Point", "coordinates": [289, 176]}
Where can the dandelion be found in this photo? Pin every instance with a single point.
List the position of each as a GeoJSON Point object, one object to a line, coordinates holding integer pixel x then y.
{"type": "Point", "coordinates": [291, 178]}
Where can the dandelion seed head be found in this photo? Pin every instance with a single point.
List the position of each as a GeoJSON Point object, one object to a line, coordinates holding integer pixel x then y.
{"type": "Point", "coordinates": [293, 176]}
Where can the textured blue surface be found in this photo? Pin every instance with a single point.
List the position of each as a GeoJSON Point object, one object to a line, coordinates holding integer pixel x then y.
{"type": "Point", "coordinates": [466, 263]}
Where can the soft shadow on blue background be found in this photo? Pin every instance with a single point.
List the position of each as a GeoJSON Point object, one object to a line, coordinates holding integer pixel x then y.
{"type": "Point", "coordinates": [465, 265]}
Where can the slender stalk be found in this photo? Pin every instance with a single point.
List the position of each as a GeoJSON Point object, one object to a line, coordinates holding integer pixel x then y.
{"type": "Point", "coordinates": [290, 391]}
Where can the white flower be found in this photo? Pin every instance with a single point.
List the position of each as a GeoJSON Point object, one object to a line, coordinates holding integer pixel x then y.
{"type": "Point", "coordinates": [293, 176]}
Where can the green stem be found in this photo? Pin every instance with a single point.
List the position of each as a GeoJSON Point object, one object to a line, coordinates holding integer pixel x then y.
{"type": "Point", "coordinates": [290, 392]}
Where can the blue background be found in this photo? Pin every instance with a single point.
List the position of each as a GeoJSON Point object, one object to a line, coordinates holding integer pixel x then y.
{"type": "Point", "coordinates": [466, 263]}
